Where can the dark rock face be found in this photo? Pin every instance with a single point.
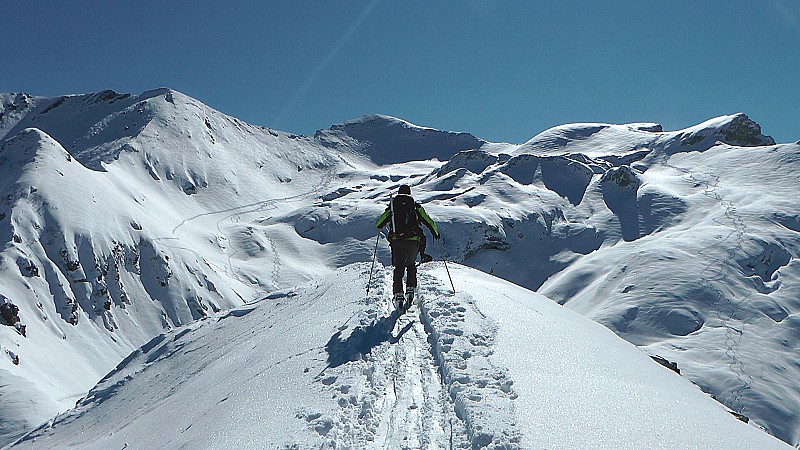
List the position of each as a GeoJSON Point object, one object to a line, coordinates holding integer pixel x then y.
{"type": "Point", "coordinates": [673, 366]}
{"type": "Point", "coordinates": [9, 313]}
{"type": "Point", "coordinates": [745, 132]}
{"type": "Point", "coordinates": [621, 176]}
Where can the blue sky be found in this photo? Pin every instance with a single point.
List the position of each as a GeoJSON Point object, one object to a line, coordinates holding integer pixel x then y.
{"type": "Point", "coordinates": [502, 70]}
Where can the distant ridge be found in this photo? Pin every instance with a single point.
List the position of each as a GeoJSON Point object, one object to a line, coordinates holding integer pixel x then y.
{"type": "Point", "coordinates": [388, 140]}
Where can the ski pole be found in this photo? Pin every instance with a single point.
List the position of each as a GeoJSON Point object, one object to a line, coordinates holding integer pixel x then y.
{"type": "Point", "coordinates": [444, 259]}
{"type": "Point", "coordinates": [374, 253]}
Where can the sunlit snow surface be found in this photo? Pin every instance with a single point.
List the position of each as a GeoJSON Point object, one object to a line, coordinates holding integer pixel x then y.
{"type": "Point", "coordinates": [123, 217]}
{"type": "Point", "coordinates": [325, 366]}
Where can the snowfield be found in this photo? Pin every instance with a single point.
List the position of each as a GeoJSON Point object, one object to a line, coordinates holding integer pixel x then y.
{"type": "Point", "coordinates": [323, 366]}
{"type": "Point", "coordinates": [223, 269]}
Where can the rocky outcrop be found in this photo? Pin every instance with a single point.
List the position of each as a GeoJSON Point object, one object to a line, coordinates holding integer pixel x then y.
{"type": "Point", "coordinates": [745, 132]}
{"type": "Point", "coordinates": [10, 316]}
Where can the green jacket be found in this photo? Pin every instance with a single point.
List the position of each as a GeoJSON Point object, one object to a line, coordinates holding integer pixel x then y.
{"type": "Point", "coordinates": [422, 218]}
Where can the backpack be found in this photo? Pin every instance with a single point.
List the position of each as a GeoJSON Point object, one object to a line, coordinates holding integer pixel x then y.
{"type": "Point", "coordinates": [404, 217]}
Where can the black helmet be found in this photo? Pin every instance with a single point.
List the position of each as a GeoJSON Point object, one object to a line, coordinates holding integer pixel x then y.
{"type": "Point", "coordinates": [404, 189]}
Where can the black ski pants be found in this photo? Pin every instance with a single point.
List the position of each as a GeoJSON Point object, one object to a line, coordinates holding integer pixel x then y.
{"type": "Point", "coordinates": [404, 259]}
{"type": "Point", "coordinates": [423, 242]}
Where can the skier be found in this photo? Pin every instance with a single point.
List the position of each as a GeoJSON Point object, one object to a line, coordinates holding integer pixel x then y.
{"type": "Point", "coordinates": [404, 217]}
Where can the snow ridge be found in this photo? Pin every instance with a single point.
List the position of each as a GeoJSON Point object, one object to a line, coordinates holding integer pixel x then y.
{"type": "Point", "coordinates": [428, 376]}
{"type": "Point", "coordinates": [602, 139]}
{"type": "Point", "coordinates": [323, 366]}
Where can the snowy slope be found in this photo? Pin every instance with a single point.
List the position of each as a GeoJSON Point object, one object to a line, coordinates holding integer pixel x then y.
{"type": "Point", "coordinates": [675, 240]}
{"type": "Point", "coordinates": [716, 289]}
{"type": "Point", "coordinates": [125, 216]}
{"type": "Point", "coordinates": [133, 230]}
{"type": "Point", "coordinates": [324, 366]}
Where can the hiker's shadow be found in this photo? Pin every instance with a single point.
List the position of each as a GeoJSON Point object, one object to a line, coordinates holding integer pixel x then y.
{"type": "Point", "coordinates": [363, 339]}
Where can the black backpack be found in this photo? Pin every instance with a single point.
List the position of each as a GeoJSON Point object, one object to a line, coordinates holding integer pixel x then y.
{"type": "Point", "coordinates": [404, 217]}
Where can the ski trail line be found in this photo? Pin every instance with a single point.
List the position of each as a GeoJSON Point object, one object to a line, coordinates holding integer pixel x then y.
{"type": "Point", "coordinates": [415, 408]}
{"type": "Point", "coordinates": [387, 384]}
{"type": "Point", "coordinates": [325, 180]}
{"type": "Point", "coordinates": [726, 307]}
{"type": "Point", "coordinates": [234, 217]}
{"type": "Point", "coordinates": [463, 343]}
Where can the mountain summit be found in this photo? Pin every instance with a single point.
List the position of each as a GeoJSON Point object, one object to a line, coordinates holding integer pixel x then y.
{"type": "Point", "coordinates": [388, 140]}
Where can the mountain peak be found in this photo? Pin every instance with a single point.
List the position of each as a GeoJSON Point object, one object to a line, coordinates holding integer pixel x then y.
{"type": "Point", "coordinates": [25, 145]}
{"type": "Point", "coordinates": [376, 120]}
{"type": "Point", "coordinates": [743, 131]}
{"type": "Point", "coordinates": [388, 140]}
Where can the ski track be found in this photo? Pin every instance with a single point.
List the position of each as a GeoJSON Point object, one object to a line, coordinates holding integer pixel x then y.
{"type": "Point", "coordinates": [425, 383]}
{"type": "Point", "coordinates": [391, 397]}
{"type": "Point", "coordinates": [724, 306]}
{"type": "Point", "coordinates": [462, 340]}
{"type": "Point", "coordinates": [228, 225]}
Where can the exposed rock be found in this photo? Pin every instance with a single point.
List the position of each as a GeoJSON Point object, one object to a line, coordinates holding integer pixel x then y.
{"type": "Point", "coordinates": [9, 313]}
{"type": "Point", "coordinates": [673, 366]}
{"type": "Point", "coordinates": [745, 132]}
{"type": "Point", "coordinates": [27, 267]}
{"type": "Point", "coordinates": [622, 176]}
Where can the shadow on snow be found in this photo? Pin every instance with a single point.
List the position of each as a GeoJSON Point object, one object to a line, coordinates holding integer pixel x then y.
{"type": "Point", "coordinates": [363, 339]}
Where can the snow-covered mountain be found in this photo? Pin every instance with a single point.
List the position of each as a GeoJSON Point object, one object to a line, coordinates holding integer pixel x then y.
{"type": "Point", "coordinates": [388, 140]}
{"type": "Point", "coordinates": [123, 217]}
{"type": "Point", "coordinates": [131, 231]}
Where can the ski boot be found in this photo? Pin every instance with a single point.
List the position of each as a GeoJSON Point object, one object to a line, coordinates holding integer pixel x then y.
{"type": "Point", "coordinates": [410, 297]}
{"type": "Point", "coordinates": [398, 300]}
